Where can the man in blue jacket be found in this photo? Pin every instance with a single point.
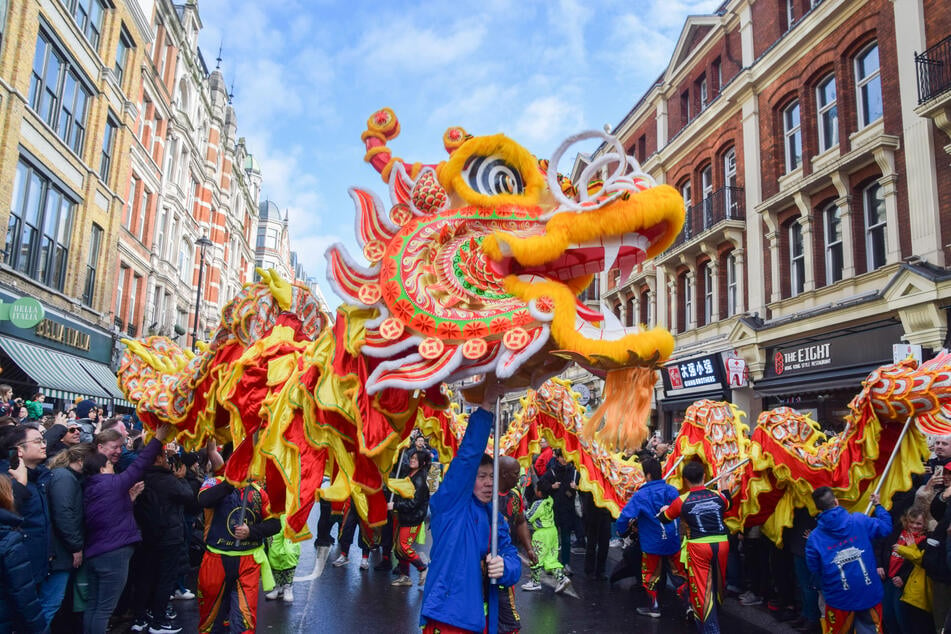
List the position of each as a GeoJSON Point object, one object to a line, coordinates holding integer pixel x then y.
{"type": "Point", "coordinates": [839, 551]}
{"type": "Point", "coordinates": [659, 541]}
{"type": "Point", "coordinates": [459, 596]}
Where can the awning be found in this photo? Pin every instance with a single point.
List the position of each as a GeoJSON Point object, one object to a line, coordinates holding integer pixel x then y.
{"type": "Point", "coordinates": [62, 375]}
{"type": "Point", "coordinates": [815, 382]}
{"type": "Point", "coordinates": [104, 376]}
{"type": "Point", "coordinates": [678, 403]}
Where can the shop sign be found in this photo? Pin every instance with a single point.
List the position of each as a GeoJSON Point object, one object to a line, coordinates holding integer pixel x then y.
{"type": "Point", "coordinates": [737, 372]}
{"type": "Point", "coordinates": [55, 331]}
{"type": "Point", "coordinates": [25, 312]}
{"type": "Point", "coordinates": [835, 351]}
{"type": "Point", "coordinates": [690, 374]}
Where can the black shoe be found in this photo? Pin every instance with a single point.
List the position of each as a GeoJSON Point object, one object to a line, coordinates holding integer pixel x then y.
{"type": "Point", "coordinates": [786, 615]}
{"type": "Point", "coordinates": [164, 628]}
{"type": "Point", "coordinates": [383, 565]}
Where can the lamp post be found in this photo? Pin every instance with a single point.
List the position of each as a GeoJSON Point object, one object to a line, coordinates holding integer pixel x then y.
{"type": "Point", "coordinates": [202, 243]}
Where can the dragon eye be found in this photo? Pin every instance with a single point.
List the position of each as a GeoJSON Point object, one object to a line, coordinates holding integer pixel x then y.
{"type": "Point", "coordinates": [491, 175]}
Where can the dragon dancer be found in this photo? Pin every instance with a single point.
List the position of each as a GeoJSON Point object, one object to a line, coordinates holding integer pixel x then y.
{"type": "Point", "coordinates": [706, 549]}
{"type": "Point", "coordinates": [545, 544]}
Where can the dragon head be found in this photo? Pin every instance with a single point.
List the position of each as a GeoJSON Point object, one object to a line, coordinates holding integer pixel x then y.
{"type": "Point", "coordinates": [476, 266]}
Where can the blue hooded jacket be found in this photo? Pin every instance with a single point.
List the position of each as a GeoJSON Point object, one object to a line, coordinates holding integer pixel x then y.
{"type": "Point", "coordinates": [656, 538]}
{"type": "Point", "coordinates": [461, 527]}
{"type": "Point", "coordinates": [840, 552]}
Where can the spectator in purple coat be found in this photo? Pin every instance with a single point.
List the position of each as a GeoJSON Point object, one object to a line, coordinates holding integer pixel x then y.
{"type": "Point", "coordinates": [111, 531]}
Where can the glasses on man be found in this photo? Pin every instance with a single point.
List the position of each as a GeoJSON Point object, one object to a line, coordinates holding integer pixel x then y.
{"type": "Point", "coordinates": [72, 430]}
{"type": "Point", "coordinates": [35, 441]}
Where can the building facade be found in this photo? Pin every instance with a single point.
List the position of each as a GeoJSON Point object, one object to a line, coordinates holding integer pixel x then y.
{"type": "Point", "coordinates": [811, 145]}
{"type": "Point", "coordinates": [190, 210]}
{"type": "Point", "coordinates": [69, 75]}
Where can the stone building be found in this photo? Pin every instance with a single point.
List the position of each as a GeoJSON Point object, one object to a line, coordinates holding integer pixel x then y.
{"type": "Point", "coordinates": [70, 75]}
{"type": "Point", "coordinates": [811, 144]}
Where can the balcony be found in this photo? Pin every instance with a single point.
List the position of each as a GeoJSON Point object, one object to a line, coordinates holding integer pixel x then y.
{"type": "Point", "coordinates": [934, 70]}
{"type": "Point", "coordinates": [724, 204]}
{"type": "Point", "coordinates": [132, 330]}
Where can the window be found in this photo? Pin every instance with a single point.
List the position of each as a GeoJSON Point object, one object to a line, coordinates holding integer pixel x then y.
{"type": "Point", "coordinates": [122, 54]}
{"type": "Point", "coordinates": [128, 212]}
{"type": "Point", "coordinates": [688, 219]}
{"type": "Point", "coordinates": [185, 260]}
{"type": "Point", "coordinates": [828, 114]}
{"type": "Point", "coordinates": [731, 286]}
{"type": "Point", "coordinates": [88, 16]}
{"type": "Point", "coordinates": [685, 107]}
{"type": "Point", "coordinates": [790, 13]}
{"type": "Point", "coordinates": [717, 75]}
{"type": "Point", "coordinates": [797, 259]}
{"type": "Point", "coordinates": [160, 233]}
{"type": "Point", "coordinates": [707, 294]}
{"type": "Point", "coordinates": [145, 198]}
{"type": "Point", "coordinates": [688, 301]}
{"type": "Point", "coordinates": [108, 147]}
{"type": "Point", "coordinates": [120, 288]}
{"type": "Point", "coordinates": [646, 315]}
{"type": "Point", "coordinates": [629, 316]}
{"type": "Point", "coordinates": [704, 97]}
{"type": "Point", "coordinates": [39, 230]}
{"type": "Point", "coordinates": [875, 224]}
{"type": "Point", "coordinates": [706, 182]}
{"type": "Point", "coordinates": [95, 242]}
{"type": "Point", "coordinates": [868, 86]}
{"type": "Point", "coordinates": [58, 94]}
{"type": "Point", "coordinates": [729, 181]}
{"type": "Point", "coordinates": [133, 309]}
{"type": "Point", "coordinates": [792, 133]}
{"type": "Point", "coordinates": [832, 223]}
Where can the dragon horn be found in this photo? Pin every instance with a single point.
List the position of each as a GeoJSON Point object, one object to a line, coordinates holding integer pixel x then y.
{"type": "Point", "coordinates": [382, 126]}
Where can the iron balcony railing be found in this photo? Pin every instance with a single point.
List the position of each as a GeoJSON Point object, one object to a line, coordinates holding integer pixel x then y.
{"type": "Point", "coordinates": [723, 204]}
{"type": "Point", "coordinates": [934, 70]}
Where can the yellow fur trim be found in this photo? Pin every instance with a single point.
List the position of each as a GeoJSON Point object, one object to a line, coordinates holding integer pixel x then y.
{"type": "Point", "coordinates": [370, 134]}
{"type": "Point", "coordinates": [652, 346]}
{"type": "Point", "coordinates": [373, 151]}
{"type": "Point", "coordinates": [496, 145]}
{"type": "Point", "coordinates": [661, 205]}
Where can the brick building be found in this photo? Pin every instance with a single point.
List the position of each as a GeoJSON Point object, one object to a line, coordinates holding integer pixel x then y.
{"type": "Point", "coordinates": [811, 146]}
{"type": "Point", "coordinates": [69, 73]}
{"type": "Point", "coordinates": [191, 197]}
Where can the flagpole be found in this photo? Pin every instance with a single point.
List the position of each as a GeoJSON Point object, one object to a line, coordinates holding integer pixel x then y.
{"type": "Point", "coordinates": [674, 468]}
{"type": "Point", "coordinates": [891, 460]}
{"type": "Point", "coordinates": [730, 470]}
{"type": "Point", "coordinates": [495, 478]}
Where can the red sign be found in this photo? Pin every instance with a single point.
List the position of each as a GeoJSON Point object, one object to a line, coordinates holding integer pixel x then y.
{"type": "Point", "coordinates": [676, 382]}
{"type": "Point", "coordinates": [778, 363]}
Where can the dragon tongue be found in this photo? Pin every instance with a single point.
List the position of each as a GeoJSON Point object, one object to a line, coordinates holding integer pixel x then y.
{"type": "Point", "coordinates": [586, 312]}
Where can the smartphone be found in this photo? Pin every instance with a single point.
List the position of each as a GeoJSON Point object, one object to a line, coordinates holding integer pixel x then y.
{"type": "Point", "coordinates": [14, 458]}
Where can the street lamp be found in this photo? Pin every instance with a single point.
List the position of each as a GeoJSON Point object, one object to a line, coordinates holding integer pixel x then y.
{"type": "Point", "coordinates": [202, 243]}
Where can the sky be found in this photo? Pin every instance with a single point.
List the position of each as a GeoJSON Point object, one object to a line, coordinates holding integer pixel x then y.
{"type": "Point", "coordinates": [308, 73]}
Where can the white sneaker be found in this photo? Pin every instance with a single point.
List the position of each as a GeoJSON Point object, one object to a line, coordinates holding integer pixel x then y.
{"type": "Point", "coordinates": [187, 595]}
{"type": "Point", "coordinates": [274, 594]}
{"type": "Point", "coordinates": [402, 580]}
{"type": "Point", "coordinates": [288, 594]}
{"type": "Point", "coordinates": [365, 563]}
{"type": "Point", "coordinates": [563, 583]}
{"type": "Point", "coordinates": [342, 560]}
{"type": "Point", "coordinates": [531, 586]}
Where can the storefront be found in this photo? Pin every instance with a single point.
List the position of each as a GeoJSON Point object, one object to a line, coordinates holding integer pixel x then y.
{"type": "Point", "coordinates": [686, 381]}
{"type": "Point", "coordinates": [820, 375]}
{"type": "Point", "coordinates": [53, 353]}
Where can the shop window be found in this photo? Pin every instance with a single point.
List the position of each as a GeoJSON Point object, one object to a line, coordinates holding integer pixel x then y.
{"type": "Point", "coordinates": [58, 93]}
{"type": "Point", "coordinates": [731, 285]}
{"type": "Point", "coordinates": [797, 259]}
{"type": "Point", "coordinates": [92, 263]}
{"type": "Point", "coordinates": [828, 114]}
{"type": "Point", "coordinates": [38, 233]}
{"type": "Point", "coordinates": [832, 222]}
{"type": "Point", "coordinates": [792, 135]}
{"type": "Point", "coordinates": [875, 226]}
{"type": "Point", "coordinates": [868, 86]}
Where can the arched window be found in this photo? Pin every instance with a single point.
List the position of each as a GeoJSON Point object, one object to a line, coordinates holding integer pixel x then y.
{"type": "Point", "coordinates": [792, 135]}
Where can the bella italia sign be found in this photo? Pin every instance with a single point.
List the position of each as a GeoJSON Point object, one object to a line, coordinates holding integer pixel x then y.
{"type": "Point", "coordinates": [25, 312]}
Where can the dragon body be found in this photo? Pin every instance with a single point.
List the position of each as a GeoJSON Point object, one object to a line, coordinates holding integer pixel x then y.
{"type": "Point", "coordinates": [472, 270]}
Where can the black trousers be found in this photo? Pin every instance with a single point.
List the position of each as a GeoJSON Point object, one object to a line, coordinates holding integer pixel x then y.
{"type": "Point", "coordinates": [597, 528]}
{"type": "Point", "coordinates": [155, 569]}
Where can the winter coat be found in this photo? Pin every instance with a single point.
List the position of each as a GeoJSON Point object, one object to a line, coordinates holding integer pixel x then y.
{"type": "Point", "coordinates": [840, 552]}
{"type": "Point", "coordinates": [110, 523]}
{"type": "Point", "coordinates": [20, 607]}
{"type": "Point", "coordinates": [160, 509]}
{"type": "Point", "coordinates": [412, 511]}
{"type": "Point", "coordinates": [32, 506]}
{"type": "Point", "coordinates": [917, 588]}
{"type": "Point", "coordinates": [65, 492]}
{"type": "Point", "coordinates": [656, 538]}
{"type": "Point", "coordinates": [541, 462]}
{"type": "Point", "coordinates": [564, 496]}
{"type": "Point", "coordinates": [87, 429]}
{"type": "Point", "coordinates": [541, 514]}
{"type": "Point", "coordinates": [461, 527]}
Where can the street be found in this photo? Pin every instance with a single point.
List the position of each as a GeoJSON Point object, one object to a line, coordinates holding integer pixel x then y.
{"type": "Point", "coordinates": [349, 600]}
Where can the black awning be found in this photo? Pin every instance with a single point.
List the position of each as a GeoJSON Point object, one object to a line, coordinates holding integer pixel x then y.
{"type": "Point", "coordinates": [815, 382]}
{"type": "Point", "coordinates": [682, 403]}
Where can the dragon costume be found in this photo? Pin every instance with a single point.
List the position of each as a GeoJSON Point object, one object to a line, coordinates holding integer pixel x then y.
{"type": "Point", "coordinates": [473, 269]}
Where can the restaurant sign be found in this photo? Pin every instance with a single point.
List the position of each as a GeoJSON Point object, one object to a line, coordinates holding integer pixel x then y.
{"type": "Point", "coordinates": [840, 350]}
{"type": "Point", "coordinates": [25, 312]}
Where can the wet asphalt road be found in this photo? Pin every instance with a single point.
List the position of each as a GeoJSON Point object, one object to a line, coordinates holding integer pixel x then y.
{"type": "Point", "coordinates": [348, 600]}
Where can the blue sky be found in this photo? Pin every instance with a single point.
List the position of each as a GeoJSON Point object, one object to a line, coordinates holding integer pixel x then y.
{"type": "Point", "coordinates": [308, 73]}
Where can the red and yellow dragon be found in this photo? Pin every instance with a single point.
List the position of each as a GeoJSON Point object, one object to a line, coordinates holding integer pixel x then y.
{"type": "Point", "coordinates": [473, 269]}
